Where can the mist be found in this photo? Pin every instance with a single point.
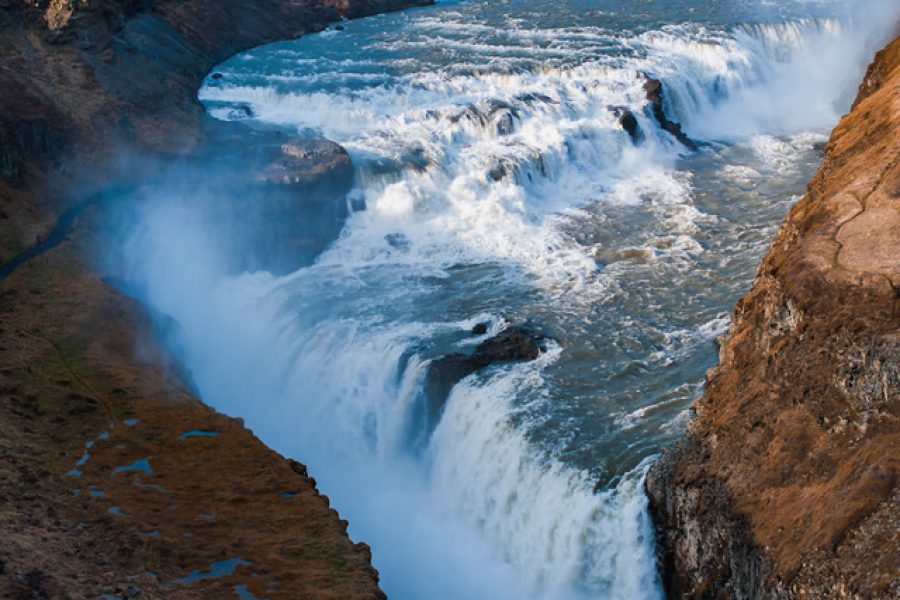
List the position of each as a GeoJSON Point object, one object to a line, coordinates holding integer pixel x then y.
{"type": "Point", "coordinates": [314, 319]}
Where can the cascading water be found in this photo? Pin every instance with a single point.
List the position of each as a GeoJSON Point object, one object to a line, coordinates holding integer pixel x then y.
{"type": "Point", "coordinates": [499, 186]}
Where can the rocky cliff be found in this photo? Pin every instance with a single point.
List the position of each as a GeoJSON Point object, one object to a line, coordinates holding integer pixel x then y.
{"type": "Point", "coordinates": [115, 74]}
{"type": "Point", "coordinates": [785, 485]}
{"type": "Point", "coordinates": [115, 481]}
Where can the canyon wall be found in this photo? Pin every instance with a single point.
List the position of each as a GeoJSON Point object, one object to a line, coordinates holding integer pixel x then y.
{"type": "Point", "coordinates": [785, 485]}
{"type": "Point", "coordinates": [115, 481]}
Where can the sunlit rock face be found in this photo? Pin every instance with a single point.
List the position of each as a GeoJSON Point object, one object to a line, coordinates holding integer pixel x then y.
{"type": "Point", "coordinates": [786, 484]}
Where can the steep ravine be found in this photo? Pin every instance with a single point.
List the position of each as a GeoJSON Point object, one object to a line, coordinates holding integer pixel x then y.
{"type": "Point", "coordinates": [785, 485]}
{"type": "Point", "coordinates": [115, 481]}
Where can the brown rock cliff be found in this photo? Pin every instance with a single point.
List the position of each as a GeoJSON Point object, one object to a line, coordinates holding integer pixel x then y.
{"type": "Point", "coordinates": [785, 485]}
{"type": "Point", "coordinates": [101, 490]}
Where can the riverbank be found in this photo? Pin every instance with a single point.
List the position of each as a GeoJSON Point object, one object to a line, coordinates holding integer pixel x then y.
{"type": "Point", "coordinates": [115, 479]}
{"type": "Point", "coordinates": [786, 483]}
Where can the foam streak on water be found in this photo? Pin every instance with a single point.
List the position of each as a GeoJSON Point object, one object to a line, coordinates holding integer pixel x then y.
{"type": "Point", "coordinates": [499, 186]}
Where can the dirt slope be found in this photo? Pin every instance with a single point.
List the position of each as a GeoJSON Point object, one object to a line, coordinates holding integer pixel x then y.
{"type": "Point", "coordinates": [100, 492]}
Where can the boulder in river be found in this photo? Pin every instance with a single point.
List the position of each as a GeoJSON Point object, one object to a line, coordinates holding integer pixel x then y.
{"type": "Point", "coordinates": [506, 123]}
{"type": "Point", "coordinates": [308, 162]}
{"type": "Point", "coordinates": [628, 122]}
{"type": "Point", "coordinates": [514, 344]}
{"type": "Point", "coordinates": [278, 200]}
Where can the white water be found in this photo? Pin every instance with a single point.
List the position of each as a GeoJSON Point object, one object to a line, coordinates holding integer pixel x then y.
{"type": "Point", "coordinates": [315, 361]}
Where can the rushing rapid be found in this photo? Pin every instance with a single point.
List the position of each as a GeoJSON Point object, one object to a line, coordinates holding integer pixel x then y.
{"type": "Point", "coordinates": [495, 184]}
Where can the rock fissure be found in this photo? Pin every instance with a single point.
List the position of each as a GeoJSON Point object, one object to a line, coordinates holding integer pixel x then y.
{"type": "Point", "coordinates": [785, 481]}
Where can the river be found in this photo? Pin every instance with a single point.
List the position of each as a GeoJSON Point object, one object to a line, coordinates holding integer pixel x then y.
{"type": "Point", "coordinates": [495, 184]}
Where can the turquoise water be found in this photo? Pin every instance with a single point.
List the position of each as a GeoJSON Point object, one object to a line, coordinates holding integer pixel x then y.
{"type": "Point", "coordinates": [494, 184]}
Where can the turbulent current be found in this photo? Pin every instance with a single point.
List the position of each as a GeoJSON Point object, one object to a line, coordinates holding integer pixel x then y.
{"type": "Point", "coordinates": [495, 184]}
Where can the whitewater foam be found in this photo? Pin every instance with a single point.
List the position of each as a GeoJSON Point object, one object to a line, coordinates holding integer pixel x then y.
{"type": "Point", "coordinates": [485, 182]}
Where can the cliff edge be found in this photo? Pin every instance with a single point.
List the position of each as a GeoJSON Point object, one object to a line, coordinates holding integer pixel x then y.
{"type": "Point", "coordinates": [785, 485]}
{"type": "Point", "coordinates": [115, 481]}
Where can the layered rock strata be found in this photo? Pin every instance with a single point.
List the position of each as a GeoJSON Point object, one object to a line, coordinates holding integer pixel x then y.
{"type": "Point", "coordinates": [785, 485]}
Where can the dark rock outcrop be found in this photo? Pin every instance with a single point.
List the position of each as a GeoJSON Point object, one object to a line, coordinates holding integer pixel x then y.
{"type": "Point", "coordinates": [628, 121]}
{"type": "Point", "coordinates": [655, 91]}
{"type": "Point", "coordinates": [123, 73]}
{"type": "Point", "coordinates": [514, 344]}
{"type": "Point", "coordinates": [96, 95]}
{"type": "Point", "coordinates": [309, 163]}
{"type": "Point", "coordinates": [786, 484]}
{"type": "Point", "coordinates": [287, 204]}
{"type": "Point", "coordinates": [27, 128]}
{"type": "Point", "coordinates": [505, 116]}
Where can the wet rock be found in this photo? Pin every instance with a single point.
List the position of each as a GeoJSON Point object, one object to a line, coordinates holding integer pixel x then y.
{"type": "Point", "coordinates": [397, 240]}
{"type": "Point", "coordinates": [480, 329]}
{"type": "Point", "coordinates": [308, 162]}
{"type": "Point", "coordinates": [279, 199]}
{"type": "Point", "coordinates": [472, 114]}
{"type": "Point", "coordinates": [514, 344]}
{"type": "Point", "coordinates": [506, 124]}
{"type": "Point", "coordinates": [505, 114]}
{"type": "Point", "coordinates": [628, 122]}
{"type": "Point", "coordinates": [416, 159]}
{"type": "Point", "coordinates": [339, 28]}
{"type": "Point", "coordinates": [494, 106]}
{"type": "Point", "coordinates": [655, 92]}
{"type": "Point", "coordinates": [499, 171]}
{"type": "Point", "coordinates": [531, 98]}
{"type": "Point", "coordinates": [217, 75]}
{"type": "Point", "coordinates": [358, 204]}
{"type": "Point", "coordinates": [241, 112]}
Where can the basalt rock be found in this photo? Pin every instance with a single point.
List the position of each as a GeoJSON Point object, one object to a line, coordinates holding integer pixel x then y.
{"type": "Point", "coordinates": [278, 200]}
{"type": "Point", "coordinates": [514, 344]}
{"type": "Point", "coordinates": [241, 111]}
{"type": "Point", "coordinates": [309, 164]}
{"type": "Point", "coordinates": [655, 92]}
{"type": "Point", "coordinates": [124, 73]}
{"type": "Point", "coordinates": [94, 95]}
{"type": "Point", "coordinates": [501, 169]}
{"type": "Point", "coordinates": [532, 98]}
{"type": "Point", "coordinates": [505, 116]}
{"type": "Point", "coordinates": [786, 483]}
{"type": "Point", "coordinates": [29, 125]}
{"type": "Point", "coordinates": [506, 123]}
{"type": "Point", "coordinates": [628, 122]}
